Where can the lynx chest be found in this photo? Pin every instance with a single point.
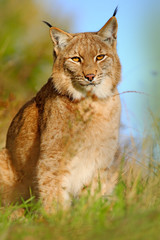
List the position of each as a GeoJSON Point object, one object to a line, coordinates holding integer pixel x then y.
{"type": "Point", "coordinates": [91, 141]}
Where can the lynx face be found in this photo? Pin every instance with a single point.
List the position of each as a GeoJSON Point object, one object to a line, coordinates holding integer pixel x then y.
{"type": "Point", "coordinates": [86, 62]}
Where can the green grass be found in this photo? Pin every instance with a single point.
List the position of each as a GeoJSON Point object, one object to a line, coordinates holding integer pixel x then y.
{"type": "Point", "coordinates": [132, 212]}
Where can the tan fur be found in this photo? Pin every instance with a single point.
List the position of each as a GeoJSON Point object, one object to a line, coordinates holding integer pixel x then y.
{"type": "Point", "coordinates": [66, 137]}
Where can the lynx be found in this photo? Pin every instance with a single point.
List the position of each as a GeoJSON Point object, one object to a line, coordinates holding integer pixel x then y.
{"type": "Point", "coordinates": [65, 138]}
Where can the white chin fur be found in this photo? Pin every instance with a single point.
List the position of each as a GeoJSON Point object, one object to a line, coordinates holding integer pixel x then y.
{"type": "Point", "coordinates": [102, 90]}
{"type": "Point", "coordinates": [76, 95]}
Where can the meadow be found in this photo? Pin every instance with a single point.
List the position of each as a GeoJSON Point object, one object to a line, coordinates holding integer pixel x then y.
{"type": "Point", "coordinates": [132, 211]}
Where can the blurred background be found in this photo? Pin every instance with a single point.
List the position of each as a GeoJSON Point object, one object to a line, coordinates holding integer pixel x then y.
{"type": "Point", "coordinates": [26, 55]}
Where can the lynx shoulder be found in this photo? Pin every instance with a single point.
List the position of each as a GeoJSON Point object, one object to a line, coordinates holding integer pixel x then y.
{"type": "Point", "coordinates": [67, 135]}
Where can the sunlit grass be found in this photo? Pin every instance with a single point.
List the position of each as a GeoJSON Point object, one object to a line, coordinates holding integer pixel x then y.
{"type": "Point", "coordinates": [132, 212]}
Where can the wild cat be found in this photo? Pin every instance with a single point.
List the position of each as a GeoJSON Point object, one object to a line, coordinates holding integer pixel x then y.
{"type": "Point", "coordinates": [66, 137]}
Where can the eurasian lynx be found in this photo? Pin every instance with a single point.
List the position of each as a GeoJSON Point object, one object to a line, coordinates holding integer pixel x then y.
{"type": "Point", "coordinates": [66, 137]}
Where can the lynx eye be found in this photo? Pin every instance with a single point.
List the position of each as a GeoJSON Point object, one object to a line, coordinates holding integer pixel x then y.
{"type": "Point", "coordinates": [76, 59]}
{"type": "Point", "coordinates": [100, 57]}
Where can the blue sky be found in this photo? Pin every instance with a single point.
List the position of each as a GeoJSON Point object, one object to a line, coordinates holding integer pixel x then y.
{"type": "Point", "coordinates": [133, 19]}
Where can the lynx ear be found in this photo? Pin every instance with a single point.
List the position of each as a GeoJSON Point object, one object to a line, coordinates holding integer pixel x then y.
{"type": "Point", "coordinates": [109, 31]}
{"type": "Point", "coordinates": [59, 37]}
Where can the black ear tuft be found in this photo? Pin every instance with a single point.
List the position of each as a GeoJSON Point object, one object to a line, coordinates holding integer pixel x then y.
{"type": "Point", "coordinates": [48, 24]}
{"type": "Point", "coordinates": [115, 11]}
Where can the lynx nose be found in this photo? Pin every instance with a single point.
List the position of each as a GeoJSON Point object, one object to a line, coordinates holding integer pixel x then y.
{"type": "Point", "coordinates": [90, 77]}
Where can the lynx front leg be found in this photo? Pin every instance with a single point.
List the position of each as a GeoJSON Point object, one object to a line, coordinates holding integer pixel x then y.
{"type": "Point", "coordinates": [46, 180]}
{"type": "Point", "coordinates": [49, 188]}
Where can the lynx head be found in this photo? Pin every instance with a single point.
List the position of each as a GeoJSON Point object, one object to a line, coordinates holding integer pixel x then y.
{"type": "Point", "coordinates": [86, 62]}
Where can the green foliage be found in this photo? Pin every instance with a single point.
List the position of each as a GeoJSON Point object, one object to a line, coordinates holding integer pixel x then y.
{"type": "Point", "coordinates": [128, 214]}
{"type": "Point", "coordinates": [25, 56]}
{"type": "Point", "coordinates": [25, 51]}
